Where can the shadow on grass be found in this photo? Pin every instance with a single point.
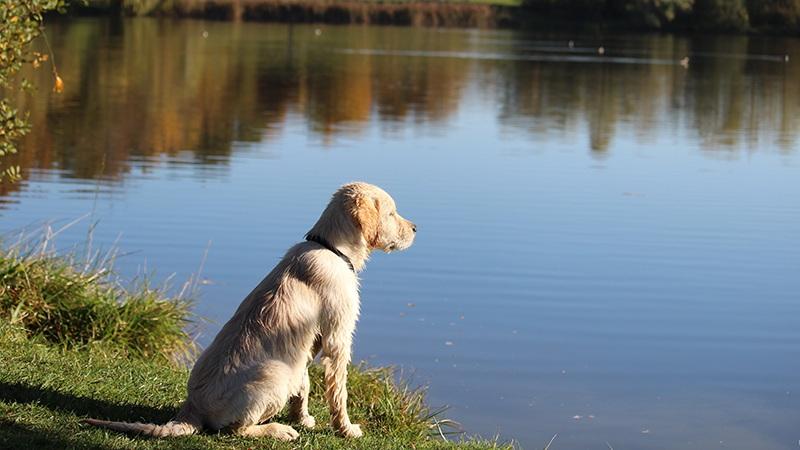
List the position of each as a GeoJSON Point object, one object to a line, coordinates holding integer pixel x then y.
{"type": "Point", "coordinates": [13, 434]}
{"type": "Point", "coordinates": [83, 406]}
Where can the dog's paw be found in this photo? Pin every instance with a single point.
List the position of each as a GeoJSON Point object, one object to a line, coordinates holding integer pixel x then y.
{"type": "Point", "coordinates": [308, 422]}
{"type": "Point", "coordinates": [284, 432]}
{"type": "Point", "coordinates": [351, 431]}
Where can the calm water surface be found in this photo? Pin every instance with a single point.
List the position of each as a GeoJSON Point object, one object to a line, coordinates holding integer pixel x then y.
{"type": "Point", "coordinates": [609, 245]}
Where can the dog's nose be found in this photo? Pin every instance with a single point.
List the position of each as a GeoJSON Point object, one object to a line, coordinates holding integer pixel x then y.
{"type": "Point", "coordinates": [414, 227]}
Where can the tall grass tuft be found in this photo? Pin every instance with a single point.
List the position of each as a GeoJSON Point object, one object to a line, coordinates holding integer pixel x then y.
{"type": "Point", "coordinates": [78, 302]}
{"type": "Point", "coordinates": [382, 398]}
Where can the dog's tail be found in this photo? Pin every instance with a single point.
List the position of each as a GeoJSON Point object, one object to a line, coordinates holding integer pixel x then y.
{"type": "Point", "coordinates": [171, 428]}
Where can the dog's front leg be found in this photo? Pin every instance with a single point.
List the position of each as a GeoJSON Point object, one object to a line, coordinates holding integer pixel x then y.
{"type": "Point", "coordinates": [336, 346]}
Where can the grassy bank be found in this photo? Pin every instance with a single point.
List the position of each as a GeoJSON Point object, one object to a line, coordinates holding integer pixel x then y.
{"type": "Point", "coordinates": [75, 344]}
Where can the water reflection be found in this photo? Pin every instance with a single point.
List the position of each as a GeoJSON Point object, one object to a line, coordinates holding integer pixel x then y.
{"type": "Point", "coordinates": [610, 236]}
{"type": "Point", "coordinates": [142, 88]}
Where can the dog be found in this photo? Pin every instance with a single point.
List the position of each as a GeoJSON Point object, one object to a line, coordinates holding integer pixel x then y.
{"type": "Point", "coordinates": [309, 302]}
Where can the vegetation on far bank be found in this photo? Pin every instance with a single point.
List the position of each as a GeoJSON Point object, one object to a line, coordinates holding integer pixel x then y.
{"type": "Point", "coordinates": [446, 13]}
{"type": "Point", "coordinates": [690, 15]}
{"type": "Point", "coordinates": [776, 16]}
{"type": "Point", "coordinates": [76, 344]}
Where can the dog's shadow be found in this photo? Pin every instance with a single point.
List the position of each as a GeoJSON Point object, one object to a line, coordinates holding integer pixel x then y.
{"type": "Point", "coordinates": [82, 406]}
{"type": "Point", "coordinates": [40, 439]}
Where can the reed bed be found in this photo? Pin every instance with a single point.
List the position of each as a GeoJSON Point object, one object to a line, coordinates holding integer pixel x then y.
{"type": "Point", "coordinates": [75, 299]}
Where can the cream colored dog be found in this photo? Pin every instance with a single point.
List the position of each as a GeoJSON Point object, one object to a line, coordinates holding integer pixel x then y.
{"type": "Point", "coordinates": [259, 359]}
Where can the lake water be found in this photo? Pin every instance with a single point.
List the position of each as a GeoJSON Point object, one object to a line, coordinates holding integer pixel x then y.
{"type": "Point", "coordinates": [608, 246]}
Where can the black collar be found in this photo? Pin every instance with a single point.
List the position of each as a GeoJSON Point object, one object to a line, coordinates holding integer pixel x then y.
{"type": "Point", "coordinates": [323, 242]}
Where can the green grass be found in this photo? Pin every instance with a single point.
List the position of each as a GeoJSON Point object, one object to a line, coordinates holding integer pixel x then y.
{"type": "Point", "coordinates": [45, 391]}
{"type": "Point", "coordinates": [77, 302]}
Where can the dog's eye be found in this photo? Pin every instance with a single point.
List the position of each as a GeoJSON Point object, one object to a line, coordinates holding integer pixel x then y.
{"type": "Point", "coordinates": [391, 214]}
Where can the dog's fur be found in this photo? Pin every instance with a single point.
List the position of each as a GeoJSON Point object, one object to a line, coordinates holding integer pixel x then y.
{"type": "Point", "coordinates": [309, 302]}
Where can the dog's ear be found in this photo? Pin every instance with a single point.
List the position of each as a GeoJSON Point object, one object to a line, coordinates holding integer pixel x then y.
{"type": "Point", "coordinates": [366, 213]}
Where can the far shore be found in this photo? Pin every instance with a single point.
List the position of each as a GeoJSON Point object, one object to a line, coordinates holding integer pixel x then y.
{"type": "Point", "coordinates": [734, 16]}
{"type": "Point", "coordinates": [480, 14]}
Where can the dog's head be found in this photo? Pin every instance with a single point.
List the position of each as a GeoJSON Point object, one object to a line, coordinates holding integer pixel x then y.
{"type": "Point", "coordinates": [365, 213]}
{"type": "Point", "coordinates": [375, 214]}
